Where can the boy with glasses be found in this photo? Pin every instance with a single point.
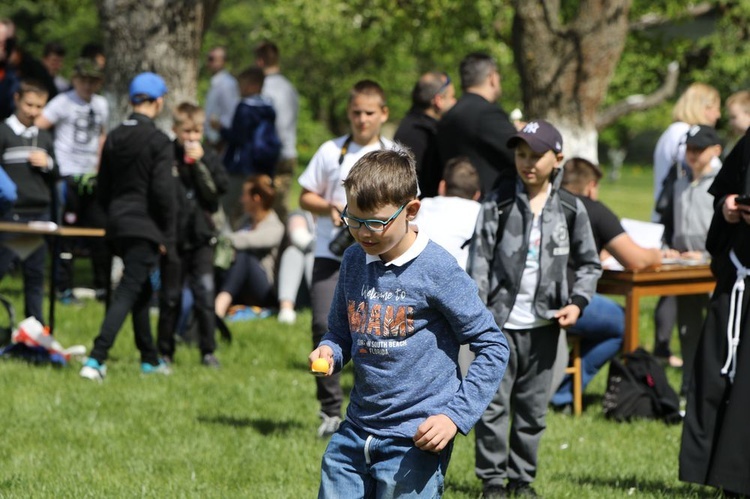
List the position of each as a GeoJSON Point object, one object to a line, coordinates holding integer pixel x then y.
{"type": "Point", "coordinates": [402, 308]}
{"type": "Point", "coordinates": [323, 195]}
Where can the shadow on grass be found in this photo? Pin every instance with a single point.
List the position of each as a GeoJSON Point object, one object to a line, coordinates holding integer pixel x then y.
{"type": "Point", "coordinates": [643, 485]}
{"type": "Point", "coordinates": [261, 425]}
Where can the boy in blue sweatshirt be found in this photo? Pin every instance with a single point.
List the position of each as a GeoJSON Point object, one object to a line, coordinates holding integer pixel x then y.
{"type": "Point", "coordinates": [401, 309]}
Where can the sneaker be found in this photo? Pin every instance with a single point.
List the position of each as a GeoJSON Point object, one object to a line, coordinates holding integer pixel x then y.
{"type": "Point", "coordinates": [517, 488]}
{"type": "Point", "coordinates": [329, 425]}
{"type": "Point", "coordinates": [68, 298]}
{"type": "Point", "coordinates": [167, 359]}
{"type": "Point", "coordinates": [210, 360]}
{"type": "Point", "coordinates": [93, 370]}
{"type": "Point", "coordinates": [160, 368]}
{"type": "Point", "coordinates": [287, 316]}
{"type": "Point", "coordinates": [494, 492]}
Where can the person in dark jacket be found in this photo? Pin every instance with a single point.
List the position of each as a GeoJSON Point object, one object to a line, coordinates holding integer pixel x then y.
{"type": "Point", "coordinates": [27, 156]}
{"type": "Point", "coordinates": [432, 96]}
{"type": "Point", "coordinates": [137, 190]}
{"type": "Point", "coordinates": [201, 182]}
{"type": "Point", "coordinates": [254, 118]}
{"type": "Point", "coordinates": [477, 127]}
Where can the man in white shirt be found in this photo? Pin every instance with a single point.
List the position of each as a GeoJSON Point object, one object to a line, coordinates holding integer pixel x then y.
{"type": "Point", "coordinates": [280, 91]}
{"type": "Point", "coordinates": [221, 99]}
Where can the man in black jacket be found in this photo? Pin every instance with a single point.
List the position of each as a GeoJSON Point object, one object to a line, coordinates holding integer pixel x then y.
{"type": "Point", "coordinates": [137, 191]}
{"type": "Point", "coordinates": [431, 98]}
{"type": "Point", "coordinates": [476, 127]}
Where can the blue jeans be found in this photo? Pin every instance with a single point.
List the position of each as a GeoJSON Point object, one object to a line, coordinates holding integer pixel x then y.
{"type": "Point", "coordinates": [357, 464]}
{"type": "Point", "coordinates": [601, 328]}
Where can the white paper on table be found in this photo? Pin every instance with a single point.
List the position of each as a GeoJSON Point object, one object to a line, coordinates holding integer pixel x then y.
{"type": "Point", "coordinates": [644, 234]}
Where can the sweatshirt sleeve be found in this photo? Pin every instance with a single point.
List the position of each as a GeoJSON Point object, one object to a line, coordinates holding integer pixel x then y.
{"type": "Point", "coordinates": [266, 235]}
{"type": "Point", "coordinates": [585, 258]}
{"type": "Point", "coordinates": [338, 336]}
{"type": "Point", "coordinates": [474, 325]}
{"type": "Point", "coordinates": [481, 250]}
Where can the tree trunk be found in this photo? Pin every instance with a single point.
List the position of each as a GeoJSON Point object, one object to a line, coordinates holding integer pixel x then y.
{"type": "Point", "coordinates": [163, 36]}
{"type": "Point", "coordinates": [565, 69]}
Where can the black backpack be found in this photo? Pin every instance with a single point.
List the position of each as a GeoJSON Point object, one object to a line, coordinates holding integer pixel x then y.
{"type": "Point", "coordinates": [638, 389]}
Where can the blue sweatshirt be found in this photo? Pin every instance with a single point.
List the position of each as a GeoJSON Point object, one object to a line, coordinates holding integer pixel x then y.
{"type": "Point", "coordinates": [401, 324]}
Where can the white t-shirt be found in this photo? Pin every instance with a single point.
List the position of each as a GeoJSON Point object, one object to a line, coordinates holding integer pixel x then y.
{"type": "Point", "coordinates": [523, 316]}
{"type": "Point", "coordinates": [450, 222]}
{"type": "Point", "coordinates": [285, 102]}
{"type": "Point", "coordinates": [324, 176]}
{"type": "Point", "coordinates": [78, 126]}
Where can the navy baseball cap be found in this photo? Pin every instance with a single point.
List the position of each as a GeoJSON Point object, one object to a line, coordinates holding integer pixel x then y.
{"type": "Point", "coordinates": [701, 136]}
{"type": "Point", "coordinates": [540, 135]}
{"type": "Point", "coordinates": [147, 86]}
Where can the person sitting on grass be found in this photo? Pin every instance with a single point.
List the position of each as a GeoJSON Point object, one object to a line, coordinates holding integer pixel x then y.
{"type": "Point", "coordinates": [250, 279]}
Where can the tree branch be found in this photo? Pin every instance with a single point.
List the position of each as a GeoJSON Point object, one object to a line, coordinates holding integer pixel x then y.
{"type": "Point", "coordinates": [640, 102]}
{"type": "Point", "coordinates": [647, 21]}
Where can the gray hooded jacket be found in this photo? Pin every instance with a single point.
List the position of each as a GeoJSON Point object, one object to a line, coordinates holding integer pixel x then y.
{"type": "Point", "coordinates": [497, 267]}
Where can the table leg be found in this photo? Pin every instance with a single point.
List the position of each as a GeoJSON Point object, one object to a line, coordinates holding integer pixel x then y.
{"type": "Point", "coordinates": [53, 283]}
{"type": "Point", "coordinates": [632, 316]}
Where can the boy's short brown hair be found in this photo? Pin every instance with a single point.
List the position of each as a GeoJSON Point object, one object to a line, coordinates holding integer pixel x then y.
{"type": "Point", "coordinates": [382, 177]}
{"type": "Point", "coordinates": [262, 185]}
{"type": "Point", "coordinates": [267, 52]}
{"type": "Point", "coordinates": [253, 75]}
{"type": "Point", "coordinates": [188, 112]}
{"type": "Point", "coordinates": [461, 178]}
{"type": "Point", "coordinates": [370, 88]}
{"type": "Point", "coordinates": [29, 85]}
{"type": "Point", "coordinates": [578, 172]}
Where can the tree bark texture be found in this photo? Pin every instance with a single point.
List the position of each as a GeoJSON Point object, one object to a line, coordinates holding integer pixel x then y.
{"type": "Point", "coordinates": [565, 69]}
{"type": "Point", "coordinates": [163, 36]}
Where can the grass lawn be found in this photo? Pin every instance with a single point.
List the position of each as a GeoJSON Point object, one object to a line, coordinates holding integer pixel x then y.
{"type": "Point", "coordinates": [248, 430]}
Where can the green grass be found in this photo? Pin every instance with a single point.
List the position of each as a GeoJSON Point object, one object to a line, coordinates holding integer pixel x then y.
{"type": "Point", "coordinates": [248, 430]}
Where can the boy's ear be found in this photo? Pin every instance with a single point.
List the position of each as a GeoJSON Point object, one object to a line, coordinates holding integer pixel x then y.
{"type": "Point", "coordinates": [412, 208]}
{"type": "Point", "coordinates": [386, 111]}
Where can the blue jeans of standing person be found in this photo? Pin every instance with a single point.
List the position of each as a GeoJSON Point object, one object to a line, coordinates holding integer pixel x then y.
{"type": "Point", "coordinates": [357, 464]}
{"type": "Point", "coordinates": [601, 329]}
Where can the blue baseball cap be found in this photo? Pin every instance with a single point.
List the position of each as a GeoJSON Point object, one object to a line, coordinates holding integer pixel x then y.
{"type": "Point", "coordinates": [147, 86]}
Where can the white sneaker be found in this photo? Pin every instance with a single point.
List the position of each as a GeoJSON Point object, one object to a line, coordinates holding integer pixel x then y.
{"type": "Point", "coordinates": [287, 316]}
{"type": "Point", "coordinates": [93, 370]}
{"type": "Point", "coordinates": [328, 426]}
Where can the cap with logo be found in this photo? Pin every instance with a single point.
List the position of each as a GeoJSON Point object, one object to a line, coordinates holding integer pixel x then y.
{"type": "Point", "coordinates": [540, 135]}
{"type": "Point", "coordinates": [701, 136]}
{"type": "Point", "coordinates": [147, 86]}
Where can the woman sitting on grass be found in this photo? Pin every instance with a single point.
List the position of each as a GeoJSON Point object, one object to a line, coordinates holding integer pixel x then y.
{"type": "Point", "coordinates": [250, 279]}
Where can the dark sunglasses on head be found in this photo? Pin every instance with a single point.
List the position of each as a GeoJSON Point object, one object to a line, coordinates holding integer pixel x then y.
{"type": "Point", "coordinates": [444, 85]}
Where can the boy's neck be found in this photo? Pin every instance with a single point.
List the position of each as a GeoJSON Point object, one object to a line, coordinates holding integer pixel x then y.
{"type": "Point", "coordinates": [700, 171]}
{"type": "Point", "coordinates": [363, 143]}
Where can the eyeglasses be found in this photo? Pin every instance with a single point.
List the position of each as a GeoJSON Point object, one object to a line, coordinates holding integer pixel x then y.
{"type": "Point", "coordinates": [371, 224]}
{"type": "Point", "coordinates": [445, 85]}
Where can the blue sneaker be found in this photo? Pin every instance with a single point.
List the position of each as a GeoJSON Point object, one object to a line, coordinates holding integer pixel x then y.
{"type": "Point", "coordinates": [93, 370]}
{"type": "Point", "coordinates": [160, 368]}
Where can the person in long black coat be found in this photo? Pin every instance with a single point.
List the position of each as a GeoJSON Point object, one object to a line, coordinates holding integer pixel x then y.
{"type": "Point", "coordinates": [715, 446]}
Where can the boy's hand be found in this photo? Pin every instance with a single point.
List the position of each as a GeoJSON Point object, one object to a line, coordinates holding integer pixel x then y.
{"type": "Point", "coordinates": [435, 433]}
{"type": "Point", "coordinates": [568, 316]}
{"type": "Point", "coordinates": [692, 255]}
{"type": "Point", "coordinates": [336, 211]}
{"type": "Point", "coordinates": [193, 151]}
{"type": "Point", "coordinates": [322, 352]}
{"type": "Point", "coordinates": [39, 159]}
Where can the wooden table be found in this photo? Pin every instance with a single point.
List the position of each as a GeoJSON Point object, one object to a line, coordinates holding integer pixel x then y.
{"type": "Point", "coordinates": [660, 281]}
{"type": "Point", "coordinates": [55, 233]}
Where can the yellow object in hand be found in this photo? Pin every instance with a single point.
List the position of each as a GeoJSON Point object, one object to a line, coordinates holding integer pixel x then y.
{"type": "Point", "coordinates": [320, 366]}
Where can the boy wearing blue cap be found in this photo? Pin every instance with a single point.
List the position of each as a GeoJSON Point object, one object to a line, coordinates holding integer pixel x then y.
{"type": "Point", "coordinates": [137, 191]}
{"type": "Point", "coordinates": [527, 233]}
